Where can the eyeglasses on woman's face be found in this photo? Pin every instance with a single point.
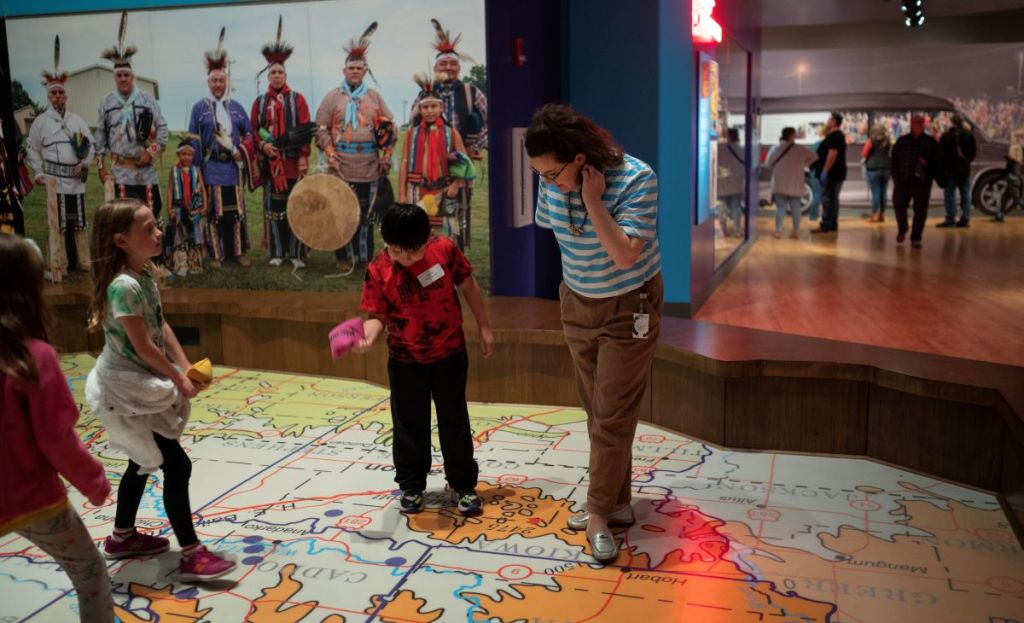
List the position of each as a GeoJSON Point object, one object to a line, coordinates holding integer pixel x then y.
{"type": "Point", "coordinates": [551, 177]}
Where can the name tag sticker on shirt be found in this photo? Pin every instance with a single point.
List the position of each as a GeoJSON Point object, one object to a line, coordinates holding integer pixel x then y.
{"type": "Point", "coordinates": [641, 326]}
{"type": "Point", "coordinates": [430, 275]}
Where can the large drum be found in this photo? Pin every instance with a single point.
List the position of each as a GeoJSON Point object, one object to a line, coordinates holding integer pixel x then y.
{"type": "Point", "coordinates": [323, 212]}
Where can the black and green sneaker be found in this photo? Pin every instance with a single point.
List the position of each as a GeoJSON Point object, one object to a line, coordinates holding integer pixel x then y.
{"type": "Point", "coordinates": [411, 501]}
{"type": "Point", "coordinates": [469, 502]}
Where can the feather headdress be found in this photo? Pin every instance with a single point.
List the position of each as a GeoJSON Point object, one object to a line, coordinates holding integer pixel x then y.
{"type": "Point", "coordinates": [426, 84]}
{"type": "Point", "coordinates": [185, 141]}
{"type": "Point", "coordinates": [445, 45]}
{"type": "Point", "coordinates": [277, 51]}
{"type": "Point", "coordinates": [355, 51]}
{"type": "Point", "coordinates": [119, 54]}
{"type": "Point", "coordinates": [58, 78]}
{"type": "Point", "coordinates": [217, 59]}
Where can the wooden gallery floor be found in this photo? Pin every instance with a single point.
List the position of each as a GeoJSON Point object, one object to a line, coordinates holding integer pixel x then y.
{"type": "Point", "coordinates": [962, 295]}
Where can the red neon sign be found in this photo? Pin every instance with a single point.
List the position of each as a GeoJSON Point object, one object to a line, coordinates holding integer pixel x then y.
{"type": "Point", "coordinates": [705, 28]}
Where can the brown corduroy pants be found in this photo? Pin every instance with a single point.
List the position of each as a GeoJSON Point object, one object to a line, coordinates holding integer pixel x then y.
{"type": "Point", "coordinates": [613, 370]}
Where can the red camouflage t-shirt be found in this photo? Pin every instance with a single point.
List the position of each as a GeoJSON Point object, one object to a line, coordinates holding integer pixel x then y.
{"type": "Point", "coordinates": [424, 323]}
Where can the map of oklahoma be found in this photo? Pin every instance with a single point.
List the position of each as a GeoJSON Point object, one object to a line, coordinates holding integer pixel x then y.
{"type": "Point", "coordinates": [292, 477]}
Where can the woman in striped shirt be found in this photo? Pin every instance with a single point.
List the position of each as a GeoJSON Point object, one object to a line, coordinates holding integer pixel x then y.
{"type": "Point", "coordinates": [602, 206]}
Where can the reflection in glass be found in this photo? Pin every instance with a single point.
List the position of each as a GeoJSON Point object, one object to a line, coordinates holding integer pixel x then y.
{"type": "Point", "coordinates": [732, 166]}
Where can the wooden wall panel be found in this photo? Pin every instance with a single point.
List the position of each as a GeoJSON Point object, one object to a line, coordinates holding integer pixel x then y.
{"type": "Point", "coordinates": [953, 440]}
{"type": "Point", "coordinates": [794, 414]}
{"type": "Point", "coordinates": [522, 373]}
{"type": "Point", "coordinates": [284, 345]}
{"type": "Point", "coordinates": [67, 330]}
{"type": "Point", "coordinates": [211, 342]}
{"type": "Point", "coordinates": [688, 401]}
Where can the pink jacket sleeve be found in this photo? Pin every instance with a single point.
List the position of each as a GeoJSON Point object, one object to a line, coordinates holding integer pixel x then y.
{"type": "Point", "coordinates": [54, 414]}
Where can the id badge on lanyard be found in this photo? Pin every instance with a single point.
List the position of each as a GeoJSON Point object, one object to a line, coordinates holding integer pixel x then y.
{"type": "Point", "coordinates": [641, 320]}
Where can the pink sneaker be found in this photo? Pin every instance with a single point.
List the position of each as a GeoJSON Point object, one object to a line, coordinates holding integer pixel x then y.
{"type": "Point", "coordinates": [134, 546]}
{"type": "Point", "coordinates": [202, 565]}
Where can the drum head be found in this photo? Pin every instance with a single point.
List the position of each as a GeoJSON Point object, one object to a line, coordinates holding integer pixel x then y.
{"type": "Point", "coordinates": [323, 212]}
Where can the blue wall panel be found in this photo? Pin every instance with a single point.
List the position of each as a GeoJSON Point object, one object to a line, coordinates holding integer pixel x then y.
{"type": "Point", "coordinates": [676, 129]}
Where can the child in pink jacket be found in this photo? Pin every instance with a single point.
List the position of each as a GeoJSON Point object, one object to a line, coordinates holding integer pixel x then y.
{"type": "Point", "coordinates": [38, 443]}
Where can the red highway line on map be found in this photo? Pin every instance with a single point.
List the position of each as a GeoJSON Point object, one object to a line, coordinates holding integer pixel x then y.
{"type": "Point", "coordinates": [550, 575]}
{"type": "Point", "coordinates": [234, 412]}
{"type": "Point", "coordinates": [340, 496]}
{"type": "Point", "coordinates": [608, 601]}
{"type": "Point", "coordinates": [815, 511]}
{"type": "Point", "coordinates": [480, 437]}
{"type": "Point", "coordinates": [276, 470]}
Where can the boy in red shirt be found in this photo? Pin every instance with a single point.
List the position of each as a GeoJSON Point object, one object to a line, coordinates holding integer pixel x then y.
{"type": "Point", "coordinates": [410, 289]}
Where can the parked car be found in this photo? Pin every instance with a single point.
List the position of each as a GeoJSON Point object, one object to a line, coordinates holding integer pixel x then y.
{"type": "Point", "coordinates": [861, 111]}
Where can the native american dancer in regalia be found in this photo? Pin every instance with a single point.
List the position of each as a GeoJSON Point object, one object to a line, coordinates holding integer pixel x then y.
{"type": "Point", "coordinates": [186, 201]}
{"type": "Point", "coordinates": [434, 166]}
{"type": "Point", "coordinates": [357, 135]}
{"type": "Point", "coordinates": [131, 127]}
{"type": "Point", "coordinates": [60, 150]}
{"type": "Point", "coordinates": [282, 134]}
{"type": "Point", "coordinates": [464, 108]}
{"type": "Point", "coordinates": [12, 215]}
{"type": "Point", "coordinates": [221, 125]}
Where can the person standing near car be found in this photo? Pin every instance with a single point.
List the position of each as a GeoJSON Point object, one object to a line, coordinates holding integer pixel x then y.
{"type": "Point", "coordinates": [916, 162]}
{"type": "Point", "coordinates": [958, 151]}
{"type": "Point", "coordinates": [877, 169]}
{"type": "Point", "coordinates": [831, 170]}
{"type": "Point", "coordinates": [787, 162]}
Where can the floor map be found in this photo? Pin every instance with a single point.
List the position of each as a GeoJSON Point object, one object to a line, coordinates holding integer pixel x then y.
{"type": "Point", "coordinates": [292, 477]}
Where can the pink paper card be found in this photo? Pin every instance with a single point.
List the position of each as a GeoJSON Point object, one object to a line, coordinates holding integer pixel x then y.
{"type": "Point", "coordinates": [345, 336]}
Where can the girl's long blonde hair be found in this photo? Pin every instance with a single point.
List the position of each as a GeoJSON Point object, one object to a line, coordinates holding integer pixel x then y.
{"type": "Point", "coordinates": [112, 218]}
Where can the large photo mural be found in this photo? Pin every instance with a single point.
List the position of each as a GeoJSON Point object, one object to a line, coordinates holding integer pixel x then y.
{"type": "Point", "coordinates": [252, 130]}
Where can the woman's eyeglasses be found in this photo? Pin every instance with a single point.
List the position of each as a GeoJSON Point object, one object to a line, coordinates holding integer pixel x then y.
{"type": "Point", "coordinates": [551, 177]}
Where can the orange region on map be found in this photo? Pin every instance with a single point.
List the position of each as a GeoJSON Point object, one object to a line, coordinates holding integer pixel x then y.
{"type": "Point", "coordinates": [590, 593]}
{"type": "Point", "coordinates": [699, 583]}
{"type": "Point", "coordinates": [274, 605]}
{"type": "Point", "coordinates": [406, 607]}
{"type": "Point", "coordinates": [507, 511]}
{"type": "Point", "coordinates": [271, 606]}
{"type": "Point", "coordinates": [164, 605]}
{"type": "Point", "coordinates": [932, 571]}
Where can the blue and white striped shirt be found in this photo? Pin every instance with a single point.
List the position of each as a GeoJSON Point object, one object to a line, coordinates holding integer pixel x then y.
{"type": "Point", "coordinates": [631, 196]}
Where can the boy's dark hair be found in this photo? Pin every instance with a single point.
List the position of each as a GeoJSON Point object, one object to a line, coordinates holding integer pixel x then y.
{"type": "Point", "coordinates": [787, 133]}
{"type": "Point", "coordinates": [406, 226]}
{"type": "Point", "coordinates": [559, 130]}
{"type": "Point", "coordinates": [838, 117]}
{"type": "Point", "coordinates": [733, 134]}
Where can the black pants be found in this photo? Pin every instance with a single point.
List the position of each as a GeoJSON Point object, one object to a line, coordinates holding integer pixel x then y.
{"type": "Point", "coordinates": [412, 385]}
{"type": "Point", "coordinates": [177, 469]}
{"type": "Point", "coordinates": [830, 205]}
{"type": "Point", "coordinates": [149, 195]}
{"type": "Point", "coordinates": [362, 243]}
{"type": "Point", "coordinates": [902, 194]}
{"type": "Point", "coordinates": [71, 248]}
{"type": "Point", "coordinates": [281, 242]}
